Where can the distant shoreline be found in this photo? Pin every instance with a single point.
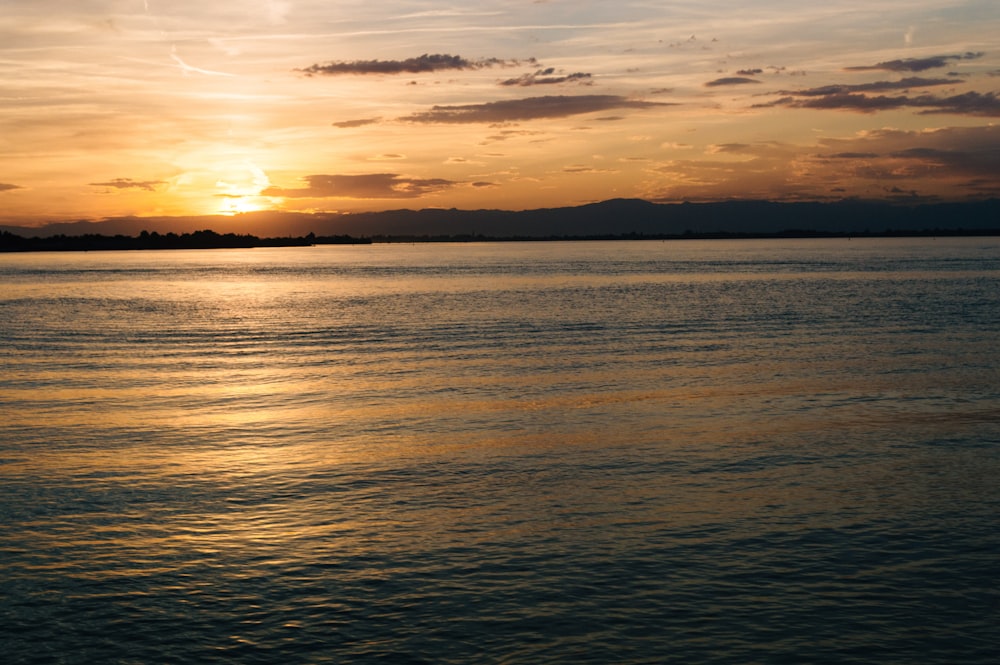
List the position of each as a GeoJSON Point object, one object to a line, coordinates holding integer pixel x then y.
{"type": "Point", "coordinates": [10, 242]}
{"type": "Point", "coordinates": [616, 219]}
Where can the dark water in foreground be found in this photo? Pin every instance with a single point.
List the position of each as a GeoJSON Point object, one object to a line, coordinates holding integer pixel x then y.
{"type": "Point", "coordinates": [692, 452]}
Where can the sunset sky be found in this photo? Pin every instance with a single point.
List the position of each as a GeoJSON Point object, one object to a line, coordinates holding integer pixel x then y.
{"type": "Point", "coordinates": [156, 107]}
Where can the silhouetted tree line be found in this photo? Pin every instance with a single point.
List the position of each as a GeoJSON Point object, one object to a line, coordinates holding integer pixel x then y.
{"type": "Point", "coordinates": [11, 242]}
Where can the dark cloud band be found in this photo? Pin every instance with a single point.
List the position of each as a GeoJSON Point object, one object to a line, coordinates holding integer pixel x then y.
{"type": "Point", "coordinates": [546, 77]}
{"type": "Point", "coordinates": [420, 64]}
{"type": "Point", "coordinates": [877, 86]}
{"type": "Point", "coordinates": [529, 108]}
{"type": "Point", "coordinates": [916, 64]}
{"type": "Point", "coordinates": [730, 80]}
{"type": "Point", "coordinates": [969, 103]}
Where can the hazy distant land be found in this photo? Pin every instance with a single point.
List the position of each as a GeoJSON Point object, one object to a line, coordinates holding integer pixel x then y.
{"type": "Point", "coordinates": [613, 219]}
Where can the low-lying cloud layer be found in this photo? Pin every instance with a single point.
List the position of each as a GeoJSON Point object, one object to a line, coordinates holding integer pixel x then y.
{"type": "Point", "coordinates": [365, 186]}
{"type": "Point", "coordinates": [929, 165]}
{"type": "Point", "coordinates": [969, 151]}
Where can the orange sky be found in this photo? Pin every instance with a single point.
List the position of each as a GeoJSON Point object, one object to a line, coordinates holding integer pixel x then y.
{"type": "Point", "coordinates": [133, 107]}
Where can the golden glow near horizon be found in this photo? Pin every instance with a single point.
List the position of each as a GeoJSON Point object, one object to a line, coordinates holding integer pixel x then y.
{"type": "Point", "coordinates": [148, 107]}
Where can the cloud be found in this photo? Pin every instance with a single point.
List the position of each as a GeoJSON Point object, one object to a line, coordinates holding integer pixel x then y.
{"type": "Point", "coordinates": [949, 164]}
{"type": "Point", "coordinates": [922, 153]}
{"type": "Point", "coordinates": [529, 108]}
{"type": "Point", "coordinates": [969, 103]}
{"type": "Point", "coordinates": [916, 64]}
{"type": "Point", "coordinates": [190, 69]}
{"type": "Point", "coordinates": [730, 80]}
{"type": "Point", "coordinates": [901, 194]}
{"type": "Point", "coordinates": [277, 11]}
{"type": "Point", "coordinates": [4, 187]}
{"type": "Point", "coordinates": [749, 72]}
{"type": "Point", "coordinates": [128, 183]}
{"type": "Point", "coordinates": [852, 155]}
{"type": "Point", "coordinates": [365, 186]}
{"type": "Point", "coordinates": [981, 162]}
{"type": "Point", "coordinates": [360, 122]}
{"type": "Point", "coordinates": [546, 77]}
{"type": "Point", "coordinates": [729, 148]}
{"type": "Point", "coordinates": [877, 86]}
{"type": "Point", "coordinates": [420, 64]}
{"type": "Point", "coordinates": [582, 168]}
{"type": "Point", "coordinates": [950, 152]}
{"type": "Point", "coordinates": [505, 134]}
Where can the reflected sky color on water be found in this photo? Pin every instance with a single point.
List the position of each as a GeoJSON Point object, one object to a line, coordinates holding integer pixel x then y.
{"type": "Point", "coordinates": [748, 451]}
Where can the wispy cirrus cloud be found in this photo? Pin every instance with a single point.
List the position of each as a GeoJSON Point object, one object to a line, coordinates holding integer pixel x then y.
{"type": "Point", "coordinates": [547, 76]}
{"type": "Point", "coordinates": [191, 69]}
{"type": "Point", "coordinates": [128, 183]}
{"type": "Point", "coordinates": [363, 186]}
{"type": "Point", "coordinates": [5, 187]}
{"type": "Point", "coordinates": [420, 64]}
{"type": "Point", "coordinates": [916, 64]}
{"type": "Point", "coordinates": [529, 108]}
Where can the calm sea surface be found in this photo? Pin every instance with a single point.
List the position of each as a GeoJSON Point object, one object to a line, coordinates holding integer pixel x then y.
{"type": "Point", "coordinates": [623, 452]}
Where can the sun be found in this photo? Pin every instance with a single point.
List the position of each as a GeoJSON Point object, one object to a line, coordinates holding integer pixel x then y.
{"type": "Point", "coordinates": [240, 188]}
{"type": "Point", "coordinates": [235, 205]}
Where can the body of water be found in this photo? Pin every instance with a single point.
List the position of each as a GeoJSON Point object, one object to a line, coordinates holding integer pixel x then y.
{"type": "Point", "coordinates": [630, 452]}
